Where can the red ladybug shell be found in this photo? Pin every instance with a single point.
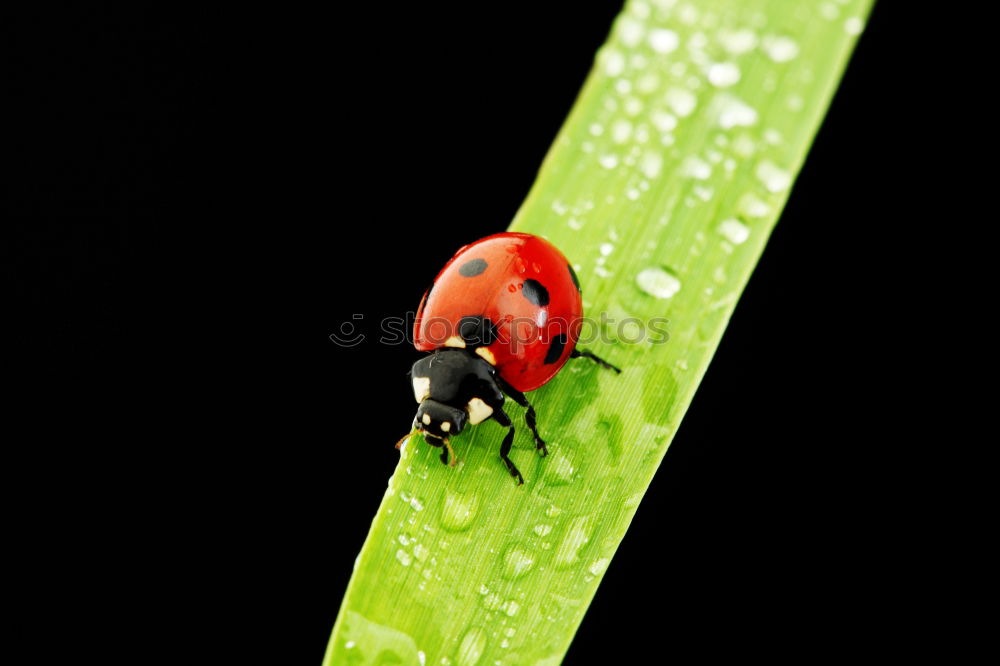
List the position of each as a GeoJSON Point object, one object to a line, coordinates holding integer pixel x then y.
{"type": "Point", "coordinates": [525, 287]}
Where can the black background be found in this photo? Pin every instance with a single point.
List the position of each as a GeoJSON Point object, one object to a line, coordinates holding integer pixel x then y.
{"type": "Point", "coordinates": [200, 200]}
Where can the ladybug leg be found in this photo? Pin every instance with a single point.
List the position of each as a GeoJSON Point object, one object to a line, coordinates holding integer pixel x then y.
{"type": "Point", "coordinates": [576, 353]}
{"type": "Point", "coordinates": [447, 453]}
{"type": "Point", "coordinates": [501, 417]}
{"type": "Point", "coordinates": [529, 417]}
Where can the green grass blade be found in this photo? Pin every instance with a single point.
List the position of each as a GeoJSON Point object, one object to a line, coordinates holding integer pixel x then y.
{"type": "Point", "coordinates": [662, 189]}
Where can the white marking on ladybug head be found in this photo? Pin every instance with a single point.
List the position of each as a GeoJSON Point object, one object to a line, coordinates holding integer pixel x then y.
{"type": "Point", "coordinates": [421, 388]}
{"type": "Point", "coordinates": [478, 410]}
{"type": "Point", "coordinates": [445, 426]}
{"type": "Point", "coordinates": [455, 341]}
{"type": "Point", "coordinates": [427, 419]}
{"type": "Point", "coordinates": [487, 355]}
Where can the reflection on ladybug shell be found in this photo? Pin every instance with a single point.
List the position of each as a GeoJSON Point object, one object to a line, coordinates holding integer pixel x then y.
{"type": "Point", "coordinates": [514, 298]}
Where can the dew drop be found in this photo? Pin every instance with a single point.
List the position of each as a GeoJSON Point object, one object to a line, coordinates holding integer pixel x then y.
{"type": "Point", "coordinates": [471, 648]}
{"type": "Point", "coordinates": [647, 83]}
{"type": "Point", "coordinates": [744, 146]}
{"type": "Point", "coordinates": [734, 112]}
{"type": "Point", "coordinates": [854, 26]}
{"type": "Point", "coordinates": [651, 164]}
{"type": "Point", "coordinates": [403, 557]}
{"type": "Point", "coordinates": [492, 601]}
{"type": "Point", "coordinates": [420, 552]}
{"type": "Point", "coordinates": [774, 178]}
{"type": "Point", "coordinates": [658, 282]}
{"type": "Point", "coordinates": [698, 41]}
{"type": "Point", "coordinates": [735, 231]}
{"type": "Point", "coordinates": [609, 161]}
{"type": "Point", "coordinates": [663, 41]}
{"type": "Point", "coordinates": [621, 131]}
{"type": "Point", "coordinates": [512, 608]}
{"type": "Point", "coordinates": [614, 63]}
{"type": "Point", "coordinates": [542, 530]}
{"type": "Point", "coordinates": [695, 167]}
{"type": "Point", "coordinates": [388, 645]}
{"type": "Point", "coordinates": [681, 101]}
{"type": "Point", "coordinates": [559, 470]}
{"type": "Point", "coordinates": [459, 511]}
{"type": "Point", "coordinates": [516, 563]}
{"type": "Point", "coordinates": [633, 106]}
{"type": "Point", "coordinates": [639, 9]}
{"type": "Point", "coordinates": [738, 41]}
{"type": "Point", "coordinates": [779, 48]}
{"type": "Point", "coordinates": [576, 537]}
{"type": "Point", "coordinates": [665, 122]}
{"type": "Point", "coordinates": [723, 74]}
{"type": "Point", "coordinates": [599, 566]}
{"type": "Point", "coordinates": [630, 31]}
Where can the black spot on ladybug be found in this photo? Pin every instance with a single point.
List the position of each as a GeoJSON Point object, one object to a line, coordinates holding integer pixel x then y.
{"type": "Point", "coordinates": [535, 292]}
{"type": "Point", "coordinates": [473, 267]}
{"type": "Point", "coordinates": [477, 330]}
{"type": "Point", "coordinates": [576, 280]}
{"type": "Point", "coordinates": [555, 349]}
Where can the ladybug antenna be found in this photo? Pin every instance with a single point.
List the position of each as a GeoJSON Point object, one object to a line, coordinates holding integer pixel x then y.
{"type": "Point", "coordinates": [405, 437]}
{"type": "Point", "coordinates": [451, 453]}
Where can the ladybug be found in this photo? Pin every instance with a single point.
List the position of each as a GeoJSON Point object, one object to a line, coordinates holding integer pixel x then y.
{"type": "Point", "coordinates": [501, 319]}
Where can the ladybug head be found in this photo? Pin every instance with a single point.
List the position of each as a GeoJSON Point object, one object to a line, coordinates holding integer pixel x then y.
{"type": "Point", "coordinates": [438, 421]}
